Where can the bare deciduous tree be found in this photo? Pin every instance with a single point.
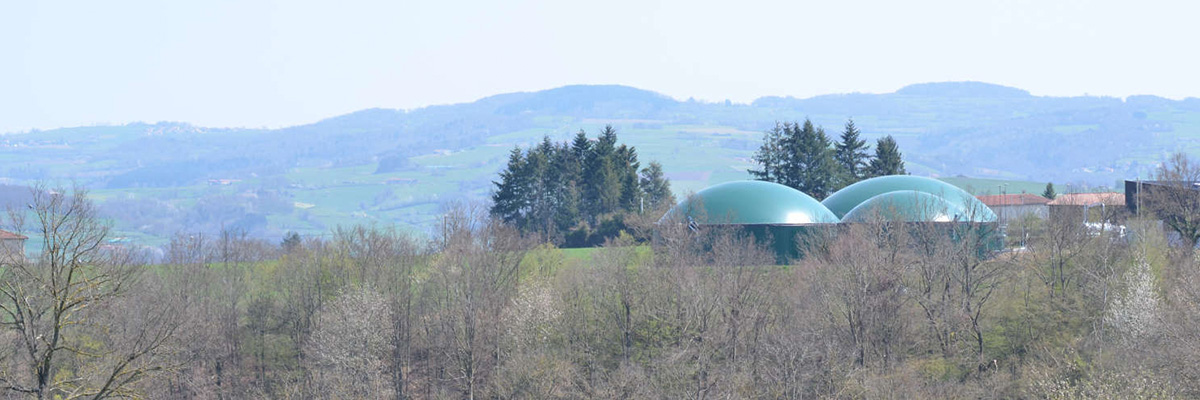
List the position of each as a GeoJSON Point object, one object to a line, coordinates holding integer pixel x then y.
{"type": "Point", "coordinates": [1058, 243]}
{"type": "Point", "coordinates": [472, 281]}
{"type": "Point", "coordinates": [863, 288]}
{"type": "Point", "coordinates": [350, 346]}
{"type": "Point", "coordinates": [58, 308]}
{"type": "Point", "coordinates": [1175, 197]}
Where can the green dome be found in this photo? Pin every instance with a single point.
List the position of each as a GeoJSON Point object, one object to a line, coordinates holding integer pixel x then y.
{"type": "Point", "coordinates": [753, 203]}
{"type": "Point", "coordinates": [845, 200]}
{"type": "Point", "coordinates": [907, 206]}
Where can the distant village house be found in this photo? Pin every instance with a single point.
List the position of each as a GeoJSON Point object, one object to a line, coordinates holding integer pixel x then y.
{"type": "Point", "coordinates": [1088, 207]}
{"type": "Point", "coordinates": [12, 247]}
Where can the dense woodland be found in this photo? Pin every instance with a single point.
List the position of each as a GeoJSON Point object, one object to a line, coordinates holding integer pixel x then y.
{"type": "Point", "coordinates": [482, 311]}
{"type": "Point", "coordinates": [489, 307]}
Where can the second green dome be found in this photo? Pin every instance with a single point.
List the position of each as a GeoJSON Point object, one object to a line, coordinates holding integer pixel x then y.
{"type": "Point", "coordinates": [845, 200]}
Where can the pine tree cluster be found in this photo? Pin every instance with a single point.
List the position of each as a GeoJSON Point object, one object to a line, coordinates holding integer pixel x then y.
{"type": "Point", "coordinates": [803, 157]}
{"type": "Point", "coordinates": [578, 193]}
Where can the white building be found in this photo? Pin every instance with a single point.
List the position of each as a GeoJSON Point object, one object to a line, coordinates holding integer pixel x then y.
{"type": "Point", "coordinates": [1015, 207]}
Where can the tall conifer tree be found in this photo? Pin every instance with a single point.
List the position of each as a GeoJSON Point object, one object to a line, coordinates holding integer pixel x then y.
{"type": "Point", "coordinates": [549, 189]}
{"type": "Point", "coordinates": [601, 176]}
{"type": "Point", "coordinates": [656, 189]}
{"type": "Point", "coordinates": [800, 156]}
{"type": "Point", "coordinates": [543, 182]}
{"type": "Point", "coordinates": [581, 146]}
{"type": "Point", "coordinates": [567, 192]}
{"type": "Point", "coordinates": [810, 165]}
{"type": "Point", "coordinates": [887, 159]}
{"type": "Point", "coordinates": [770, 156]}
{"type": "Point", "coordinates": [628, 165]}
{"type": "Point", "coordinates": [1049, 192]}
{"type": "Point", "coordinates": [851, 155]}
{"type": "Point", "coordinates": [510, 198]}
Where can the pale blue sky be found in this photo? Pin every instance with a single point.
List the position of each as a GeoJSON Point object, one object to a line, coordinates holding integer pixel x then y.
{"type": "Point", "coordinates": [278, 63]}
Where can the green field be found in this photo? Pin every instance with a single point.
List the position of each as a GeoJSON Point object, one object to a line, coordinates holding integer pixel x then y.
{"type": "Point", "coordinates": [694, 156]}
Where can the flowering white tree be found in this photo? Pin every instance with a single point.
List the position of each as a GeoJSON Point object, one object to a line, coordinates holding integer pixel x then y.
{"type": "Point", "coordinates": [1134, 314]}
{"type": "Point", "coordinates": [349, 346]}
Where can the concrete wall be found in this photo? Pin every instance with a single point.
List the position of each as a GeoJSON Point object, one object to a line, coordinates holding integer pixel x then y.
{"type": "Point", "coordinates": [1094, 213]}
{"type": "Point", "coordinates": [1009, 214]}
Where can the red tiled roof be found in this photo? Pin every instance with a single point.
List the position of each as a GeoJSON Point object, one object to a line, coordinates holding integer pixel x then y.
{"type": "Point", "coordinates": [1022, 199]}
{"type": "Point", "coordinates": [1085, 199]}
{"type": "Point", "coordinates": [6, 235]}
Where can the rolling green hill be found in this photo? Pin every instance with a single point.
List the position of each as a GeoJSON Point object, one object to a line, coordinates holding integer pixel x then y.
{"type": "Point", "coordinates": [400, 167]}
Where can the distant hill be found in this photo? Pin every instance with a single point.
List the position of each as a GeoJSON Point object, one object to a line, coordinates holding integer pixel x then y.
{"type": "Point", "coordinates": [399, 167]}
{"type": "Point", "coordinates": [962, 89]}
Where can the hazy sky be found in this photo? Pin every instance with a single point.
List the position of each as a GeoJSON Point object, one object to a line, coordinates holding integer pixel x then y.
{"type": "Point", "coordinates": [276, 63]}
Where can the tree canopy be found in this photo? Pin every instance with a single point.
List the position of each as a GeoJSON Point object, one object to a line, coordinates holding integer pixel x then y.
{"type": "Point", "coordinates": [801, 156]}
{"type": "Point", "coordinates": [887, 159]}
{"type": "Point", "coordinates": [577, 193]}
{"type": "Point", "coordinates": [851, 155]}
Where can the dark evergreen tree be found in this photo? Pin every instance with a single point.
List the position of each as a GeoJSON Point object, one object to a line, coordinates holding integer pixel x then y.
{"type": "Point", "coordinates": [576, 192]}
{"type": "Point", "coordinates": [607, 138]}
{"type": "Point", "coordinates": [291, 242]}
{"type": "Point", "coordinates": [627, 165]}
{"type": "Point", "coordinates": [542, 183]}
{"type": "Point", "coordinates": [566, 195]}
{"type": "Point", "coordinates": [602, 182]}
{"type": "Point", "coordinates": [510, 200]}
{"type": "Point", "coordinates": [851, 155]}
{"type": "Point", "coordinates": [576, 155]}
{"type": "Point", "coordinates": [770, 156]}
{"type": "Point", "coordinates": [800, 156]}
{"type": "Point", "coordinates": [809, 165]}
{"type": "Point", "coordinates": [1049, 192]}
{"type": "Point", "coordinates": [581, 146]}
{"type": "Point", "coordinates": [656, 189]}
{"type": "Point", "coordinates": [887, 159]}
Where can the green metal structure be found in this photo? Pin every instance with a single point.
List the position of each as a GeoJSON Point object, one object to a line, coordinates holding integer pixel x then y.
{"type": "Point", "coordinates": [752, 203]}
{"type": "Point", "coordinates": [774, 214]}
{"type": "Point", "coordinates": [845, 200]}
{"type": "Point", "coordinates": [791, 222]}
{"type": "Point", "coordinates": [906, 206]}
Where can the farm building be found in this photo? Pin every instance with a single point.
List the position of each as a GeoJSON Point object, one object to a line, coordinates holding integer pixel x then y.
{"type": "Point", "coordinates": [1088, 207]}
{"type": "Point", "coordinates": [1015, 207]}
{"type": "Point", "coordinates": [1137, 192]}
{"type": "Point", "coordinates": [784, 214]}
{"type": "Point", "coordinates": [12, 247]}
